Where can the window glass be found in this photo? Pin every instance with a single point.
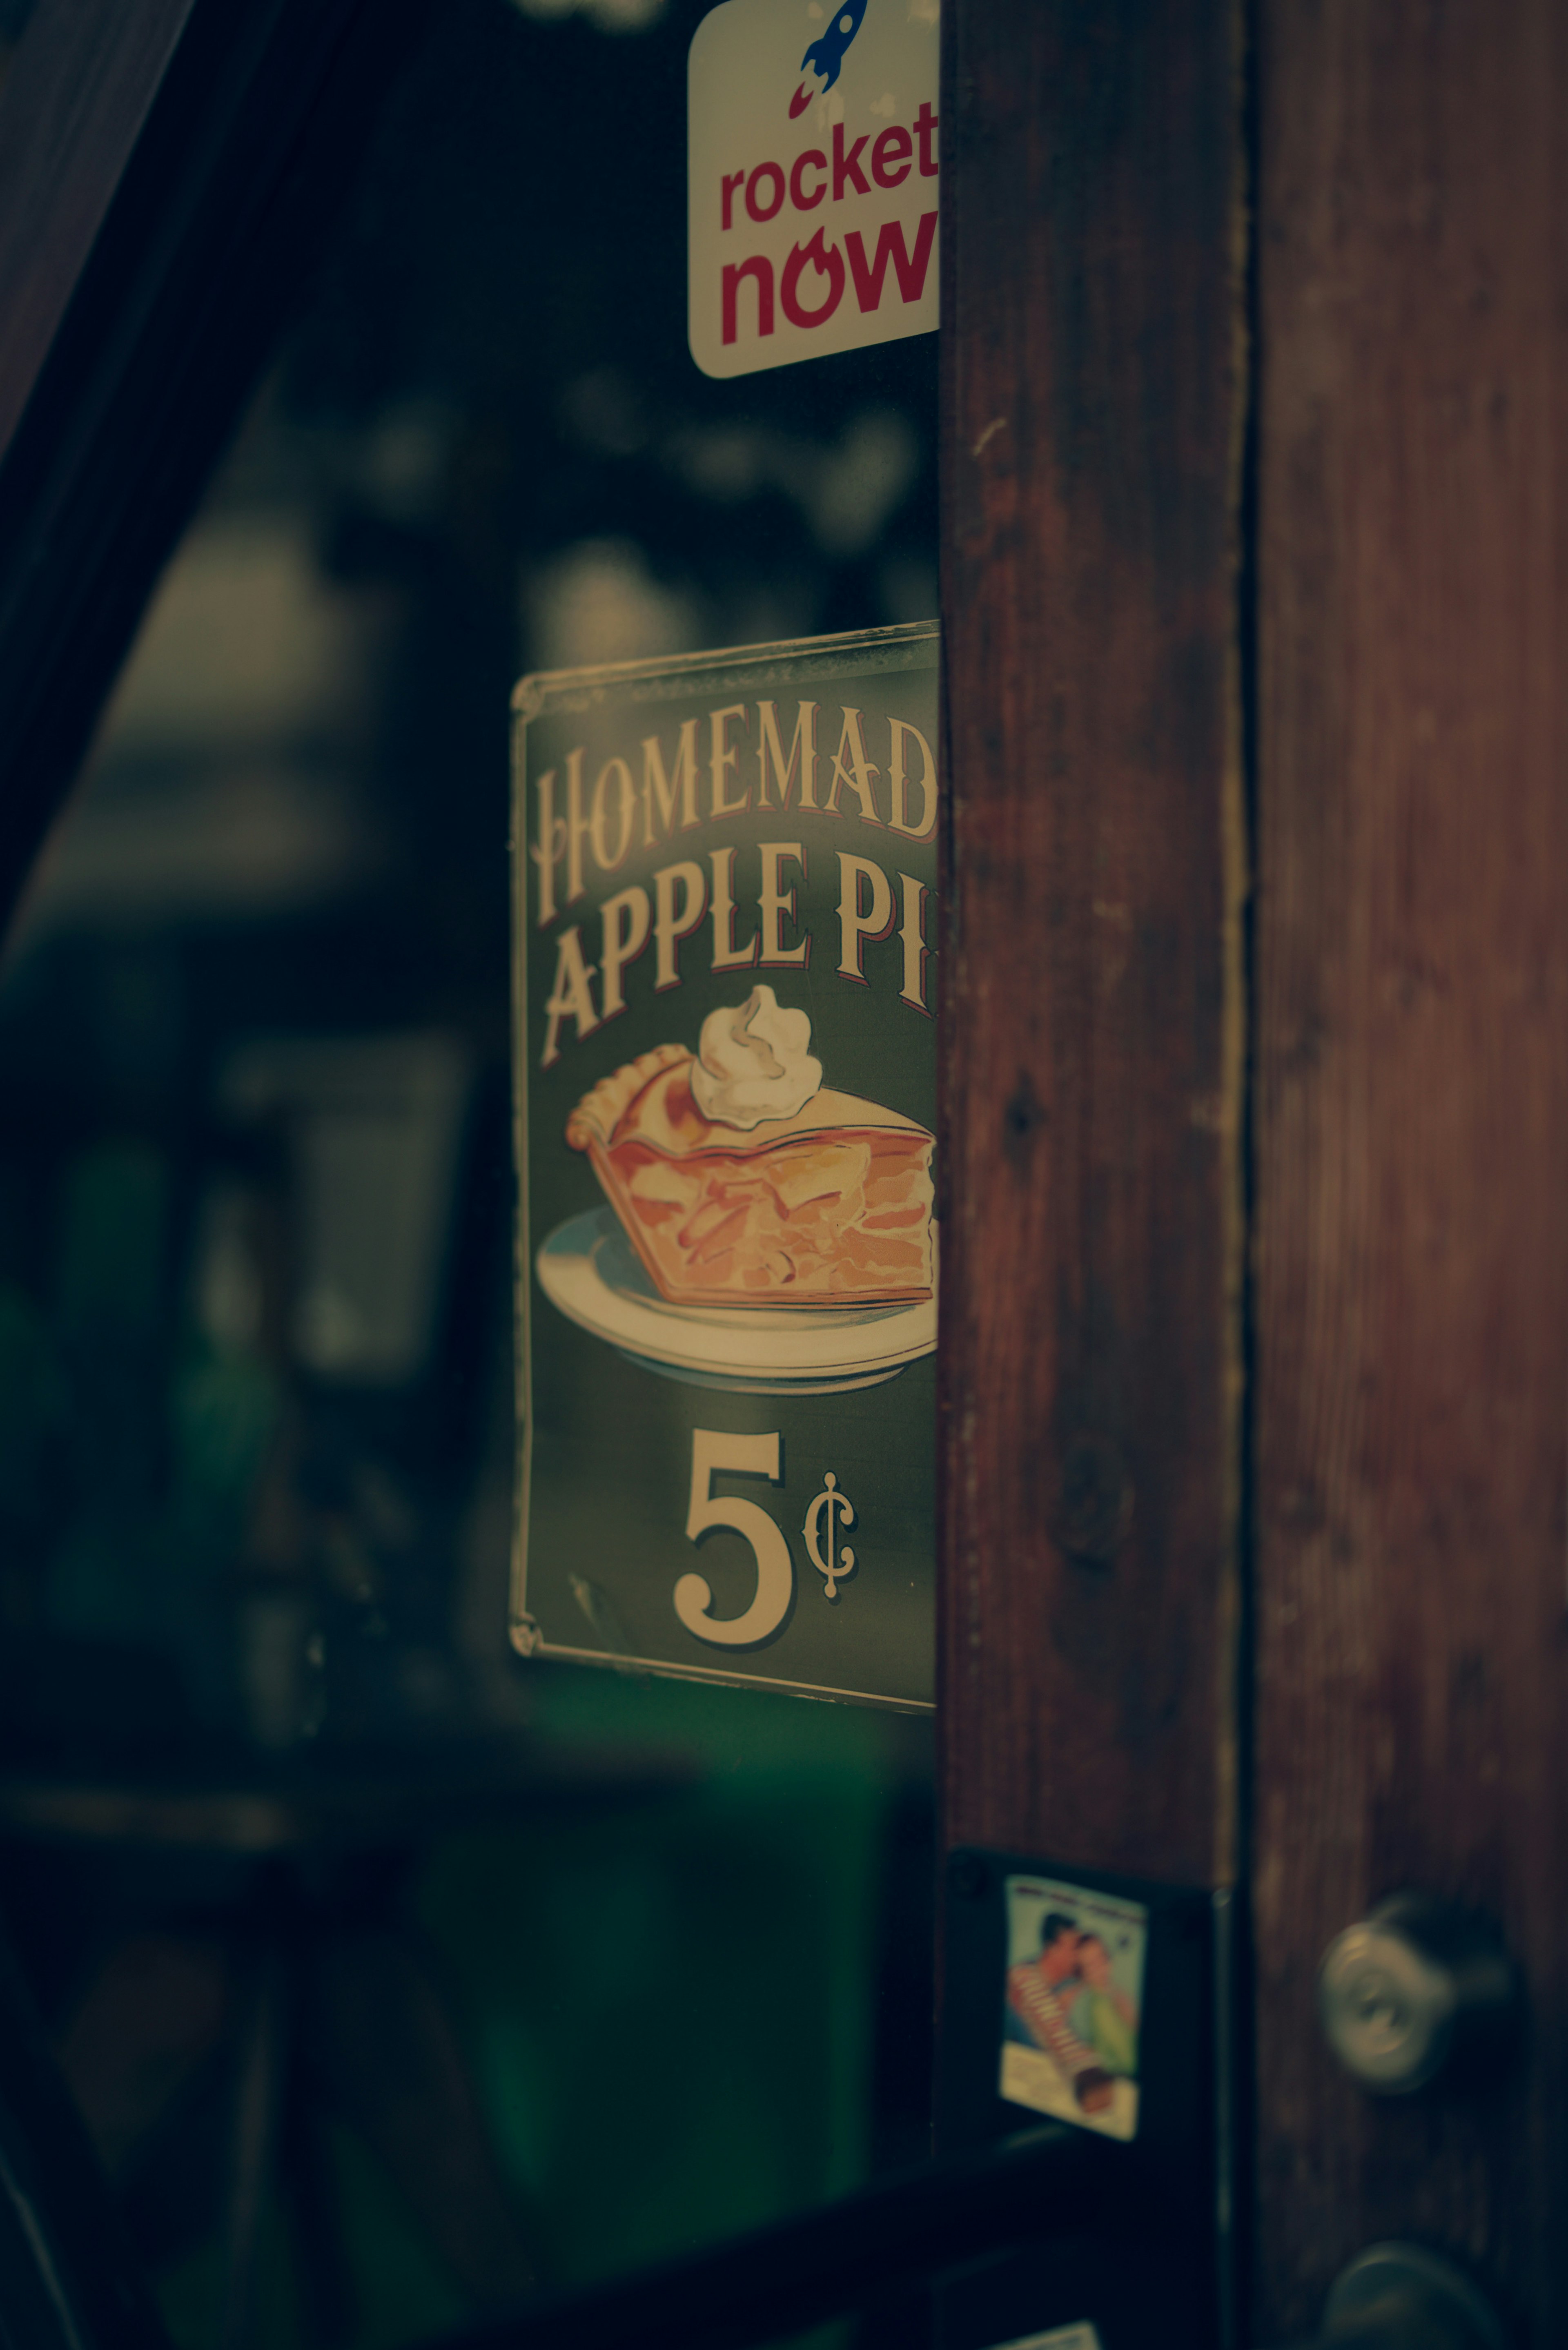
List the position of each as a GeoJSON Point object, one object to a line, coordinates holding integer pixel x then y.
{"type": "Point", "coordinates": [255, 1218]}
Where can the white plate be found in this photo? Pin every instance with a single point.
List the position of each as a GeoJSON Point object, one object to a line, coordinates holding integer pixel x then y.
{"type": "Point", "coordinates": [589, 1270]}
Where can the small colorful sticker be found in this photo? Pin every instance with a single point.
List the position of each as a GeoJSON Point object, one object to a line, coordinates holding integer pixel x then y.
{"type": "Point", "coordinates": [1060, 2337]}
{"type": "Point", "coordinates": [1073, 2003]}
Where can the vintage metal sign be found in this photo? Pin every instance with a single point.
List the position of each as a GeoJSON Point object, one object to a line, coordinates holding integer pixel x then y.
{"type": "Point", "coordinates": [813, 168]}
{"type": "Point", "coordinates": [725, 882]}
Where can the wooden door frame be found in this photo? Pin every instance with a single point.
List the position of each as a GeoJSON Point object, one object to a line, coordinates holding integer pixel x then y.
{"type": "Point", "coordinates": [1412, 1401]}
{"type": "Point", "coordinates": [1381, 598]}
{"type": "Point", "coordinates": [1092, 1038]}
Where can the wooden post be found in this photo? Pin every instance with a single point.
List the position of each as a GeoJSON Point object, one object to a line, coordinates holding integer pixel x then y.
{"type": "Point", "coordinates": [1091, 1007]}
{"type": "Point", "coordinates": [1412, 1099]}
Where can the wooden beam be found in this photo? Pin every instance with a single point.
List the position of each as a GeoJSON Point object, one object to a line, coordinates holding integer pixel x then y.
{"type": "Point", "coordinates": [1092, 1007]}
{"type": "Point", "coordinates": [1412, 1099]}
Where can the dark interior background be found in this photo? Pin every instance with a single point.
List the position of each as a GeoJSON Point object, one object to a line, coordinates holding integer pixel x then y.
{"type": "Point", "coordinates": [255, 1200]}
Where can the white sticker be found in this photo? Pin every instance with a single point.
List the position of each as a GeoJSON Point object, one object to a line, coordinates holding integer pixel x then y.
{"type": "Point", "coordinates": [1071, 2012]}
{"type": "Point", "coordinates": [813, 169]}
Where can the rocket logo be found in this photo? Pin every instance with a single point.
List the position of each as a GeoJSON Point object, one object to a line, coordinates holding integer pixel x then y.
{"type": "Point", "coordinates": [811, 228]}
{"type": "Point", "coordinates": [827, 55]}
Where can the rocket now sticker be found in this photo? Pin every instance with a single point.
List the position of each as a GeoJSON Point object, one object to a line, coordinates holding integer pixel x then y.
{"type": "Point", "coordinates": [813, 165]}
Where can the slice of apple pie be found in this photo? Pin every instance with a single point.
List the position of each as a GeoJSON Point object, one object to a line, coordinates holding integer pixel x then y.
{"type": "Point", "coordinates": [742, 1181]}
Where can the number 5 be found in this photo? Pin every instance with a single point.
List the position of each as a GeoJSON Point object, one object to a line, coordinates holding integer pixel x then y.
{"type": "Point", "coordinates": [751, 1456]}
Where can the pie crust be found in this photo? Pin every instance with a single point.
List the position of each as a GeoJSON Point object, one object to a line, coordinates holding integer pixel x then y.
{"type": "Point", "coordinates": [831, 1207]}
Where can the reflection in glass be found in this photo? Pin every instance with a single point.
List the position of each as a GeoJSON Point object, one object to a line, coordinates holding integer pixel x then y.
{"type": "Point", "coordinates": [255, 1200]}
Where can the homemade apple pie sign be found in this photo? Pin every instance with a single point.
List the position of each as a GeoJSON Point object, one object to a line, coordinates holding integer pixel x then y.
{"type": "Point", "coordinates": [813, 164]}
{"type": "Point", "coordinates": [725, 1081]}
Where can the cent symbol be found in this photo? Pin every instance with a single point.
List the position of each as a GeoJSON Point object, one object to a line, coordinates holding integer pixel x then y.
{"type": "Point", "coordinates": [830, 1506]}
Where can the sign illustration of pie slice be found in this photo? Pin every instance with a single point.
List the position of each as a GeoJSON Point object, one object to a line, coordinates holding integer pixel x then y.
{"type": "Point", "coordinates": [742, 1180]}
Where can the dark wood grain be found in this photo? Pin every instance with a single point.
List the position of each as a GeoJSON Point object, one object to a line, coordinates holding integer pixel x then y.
{"type": "Point", "coordinates": [1091, 984]}
{"type": "Point", "coordinates": [1412, 1105]}
{"type": "Point", "coordinates": [72, 106]}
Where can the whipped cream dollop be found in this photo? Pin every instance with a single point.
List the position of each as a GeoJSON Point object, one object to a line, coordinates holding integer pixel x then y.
{"type": "Point", "coordinates": [754, 1062]}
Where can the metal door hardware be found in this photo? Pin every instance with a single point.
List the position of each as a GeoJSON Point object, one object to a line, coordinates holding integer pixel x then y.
{"type": "Point", "coordinates": [1417, 1988]}
{"type": "Point", "coordinates": [1398, 2297]}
